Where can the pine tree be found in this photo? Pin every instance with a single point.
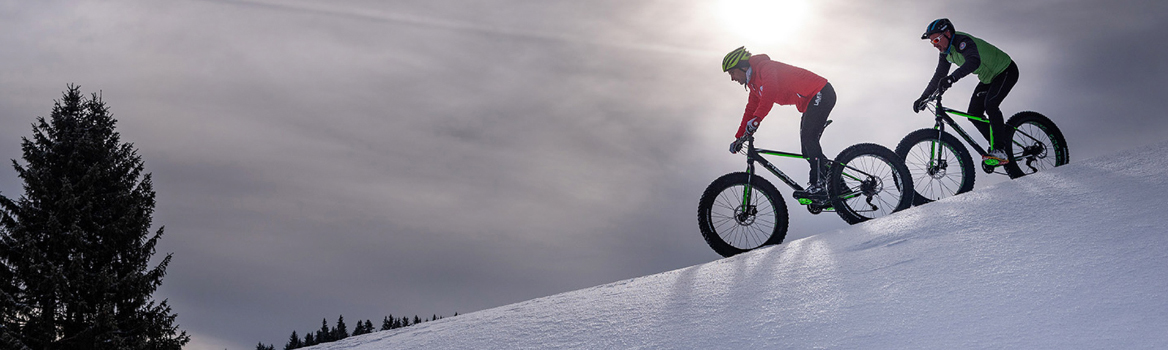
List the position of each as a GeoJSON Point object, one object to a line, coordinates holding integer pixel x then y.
{"type": "Point", "coordinates": [293, 342]}
{"type": "Point", "coordinates": [340, 332]}
{"type": "Point", "coordinates": [369, 327]}
{"type": "Point", "coordinates": [309, 340]}
{"type": "Point", "coordinates": [360, 329]}
{"type": "Point", "coordinates": [76, 247]}
{"type": "Point", "coordinates": [324, 335]}
{"type": "Point", "coordinates": [417, 320]}
{"type": "Point", "coordinates": [261, 346]}
{"type": "Point", "coordinates": [385, 324]}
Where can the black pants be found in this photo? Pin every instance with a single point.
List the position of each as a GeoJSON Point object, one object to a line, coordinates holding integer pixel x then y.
{"type": "Point", "coordinates": [987, 99]}
{"type": "Point", "coordinates": [811, 129]}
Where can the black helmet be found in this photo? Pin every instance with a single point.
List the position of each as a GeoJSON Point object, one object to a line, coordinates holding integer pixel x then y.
{"type": "Point", "coordinates": [938, 26]}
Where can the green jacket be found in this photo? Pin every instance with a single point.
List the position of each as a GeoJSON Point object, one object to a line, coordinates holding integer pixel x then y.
{"type": "Point", "coordinates": [972, 55]}
{"type": "Point", "coordinates": [976, 55]}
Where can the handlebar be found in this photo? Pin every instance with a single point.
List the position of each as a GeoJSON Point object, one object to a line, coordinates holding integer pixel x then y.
{"type": "Point", "coordinates": [936, 95]}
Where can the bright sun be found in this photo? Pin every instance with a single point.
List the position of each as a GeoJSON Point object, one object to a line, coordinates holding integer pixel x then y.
{"type": "Point", "coordinates": [765, 22]}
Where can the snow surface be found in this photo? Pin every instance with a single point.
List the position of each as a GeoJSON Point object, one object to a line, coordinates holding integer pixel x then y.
{"type": "Point", "coordinates": [1072, 258]}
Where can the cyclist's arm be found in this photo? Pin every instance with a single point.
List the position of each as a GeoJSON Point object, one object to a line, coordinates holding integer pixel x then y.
{"type": "Point", "coordinates": [753, 107]}
{"type": "Point", "coordinates": [967, 48]}
{"type": "Point", "coordinates": [942, 70]}
{"type": "Point", "coordinates": [757, 107]}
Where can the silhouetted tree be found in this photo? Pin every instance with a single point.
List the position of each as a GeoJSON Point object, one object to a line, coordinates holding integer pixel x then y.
{"type": "Point", "coordinates": [309, 340]}
{"type": "Point", "coordinates": [324, 335]}
{"type": "Point", "coordinates": [294, 342]}
{"type": "Point", "coordinates": [386, 324]}
{"type": "Point", "coordinates": [340, 331]}
{"type": "Point", "coordinates": [261, 346]}
{"type": "Point", "coordinates": [76, 247]}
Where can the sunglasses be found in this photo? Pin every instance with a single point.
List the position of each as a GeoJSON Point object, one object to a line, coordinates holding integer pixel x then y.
{"type": "Point", "coordinates": [937, 40]}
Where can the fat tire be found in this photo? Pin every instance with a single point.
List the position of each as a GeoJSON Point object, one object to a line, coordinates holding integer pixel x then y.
{"type": "Point", "coordinates": [929, 188]}
{"type": "Point", "coordinates": [717, 228]}
{"type": "Point", "coordinates": [895, 177]}
{"type": "Point", "coordinates": [1057, 149]}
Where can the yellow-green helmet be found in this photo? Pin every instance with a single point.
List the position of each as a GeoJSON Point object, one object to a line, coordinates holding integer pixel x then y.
{"type": "Point", "coordinates": [734, 58]}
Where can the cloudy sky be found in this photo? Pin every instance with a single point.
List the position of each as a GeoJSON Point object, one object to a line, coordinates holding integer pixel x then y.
{"type": "Point", "coordinates": [365, 158]}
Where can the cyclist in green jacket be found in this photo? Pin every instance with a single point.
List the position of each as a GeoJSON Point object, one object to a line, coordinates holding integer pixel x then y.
{"type": "Point", "coordinates": [995, 70]}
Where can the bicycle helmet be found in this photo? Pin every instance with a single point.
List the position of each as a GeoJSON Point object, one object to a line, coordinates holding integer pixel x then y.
{"type": "Point", "coordinates": [734, 58]}
{"type": "Point", "coordinates": [938, 26]}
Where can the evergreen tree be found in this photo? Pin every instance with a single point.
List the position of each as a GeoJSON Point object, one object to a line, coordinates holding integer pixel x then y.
{"type": "Point", "coordinates": [324, 335]}
{"type": "Point", "coordinates": [309, 340]}
{"type": "Point", "coordinates": [293, 342]}
{"type": "Point", "coordinates": [360, 329]}
{"type": "Point", "coordinates": [261, 346]}
{"type": "Point", "coordinates": [340, 332]}
{"type": "Point", "coordinates": [417, 320]}
{"type": "Point", "coordinates": [76, 247]}
{"type": "Point", "coordinates": [369, 327]}
{"type": "Point", "coordinates": [385, 324]}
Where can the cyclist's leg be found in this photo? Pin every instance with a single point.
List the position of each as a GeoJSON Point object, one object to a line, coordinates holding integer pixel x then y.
{"type": "Point", "coordinates": [977, 106]}
{"type": "Point", "coordinates": [811, 129]}
{"type": "Point", "coordinates": [999, 88]}
{"type": "Point", "coordinates": [987, 102]}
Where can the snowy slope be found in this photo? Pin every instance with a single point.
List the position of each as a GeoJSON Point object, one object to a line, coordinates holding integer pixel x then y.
{"type": "Point", "coordinates": [1074, 258]}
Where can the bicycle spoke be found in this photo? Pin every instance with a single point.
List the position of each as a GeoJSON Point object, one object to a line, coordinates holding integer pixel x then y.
{"type": "Point", "coordinates": [1033, 139]}
{"type": "Point", "coordinates": [932, 180]}
{"type": "Point", "coordinates": [743, 236]}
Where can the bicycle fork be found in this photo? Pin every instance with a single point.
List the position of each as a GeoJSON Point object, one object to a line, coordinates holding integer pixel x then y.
{"type": "Point", "coordinates": [748, 209]}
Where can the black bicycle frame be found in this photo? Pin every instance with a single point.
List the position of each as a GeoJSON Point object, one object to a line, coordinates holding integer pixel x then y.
{"type": "Point", "coordinates": [943, 118]}
{"type": "Point", "coordinates": [755, 155]}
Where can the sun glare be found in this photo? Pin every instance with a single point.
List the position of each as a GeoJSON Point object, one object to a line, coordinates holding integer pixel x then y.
{"type": "Point", "coordinates": [765, 22]}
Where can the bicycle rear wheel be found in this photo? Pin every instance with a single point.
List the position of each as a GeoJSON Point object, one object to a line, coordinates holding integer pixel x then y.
{"type": "Point", "coordinates": [1036, 144]}
{"type": "Point", "coordinates": [733, 226]}
{"type": "Point", "coordinates": [869, 181]}
{"type": "Point", "coordinates": [939, 164]}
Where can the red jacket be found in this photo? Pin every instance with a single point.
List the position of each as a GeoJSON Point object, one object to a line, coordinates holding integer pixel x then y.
{"type": "Point", "coordinates": [774, 82]}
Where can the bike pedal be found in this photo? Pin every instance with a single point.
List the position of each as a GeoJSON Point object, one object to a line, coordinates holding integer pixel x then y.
{"type": "Point", "coordinates": [805, 201]}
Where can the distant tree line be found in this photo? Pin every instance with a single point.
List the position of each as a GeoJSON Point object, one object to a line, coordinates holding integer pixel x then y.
{"type": "Point", "coordinates": [341, 331]}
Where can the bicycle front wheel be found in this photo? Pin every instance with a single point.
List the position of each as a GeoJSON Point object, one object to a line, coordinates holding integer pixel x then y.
{"type": "Point", "coordinates": [869, 181]}
{"type": "Point", "coordinates": [1036, 144]}
{"type": "Point", "coordinates": [732, 223]}
{"type": "Point", "coordinates": [938, 163]}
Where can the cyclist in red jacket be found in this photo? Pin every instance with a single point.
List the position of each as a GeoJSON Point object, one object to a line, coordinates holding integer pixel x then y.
{"type": "Point", "coordinates": [772, 82]}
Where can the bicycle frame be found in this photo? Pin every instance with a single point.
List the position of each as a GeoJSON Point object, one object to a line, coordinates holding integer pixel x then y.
{"type": "Point", "coordinates": [942, 116]}
{"type": "Point", "coordinates": [756, 155]}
